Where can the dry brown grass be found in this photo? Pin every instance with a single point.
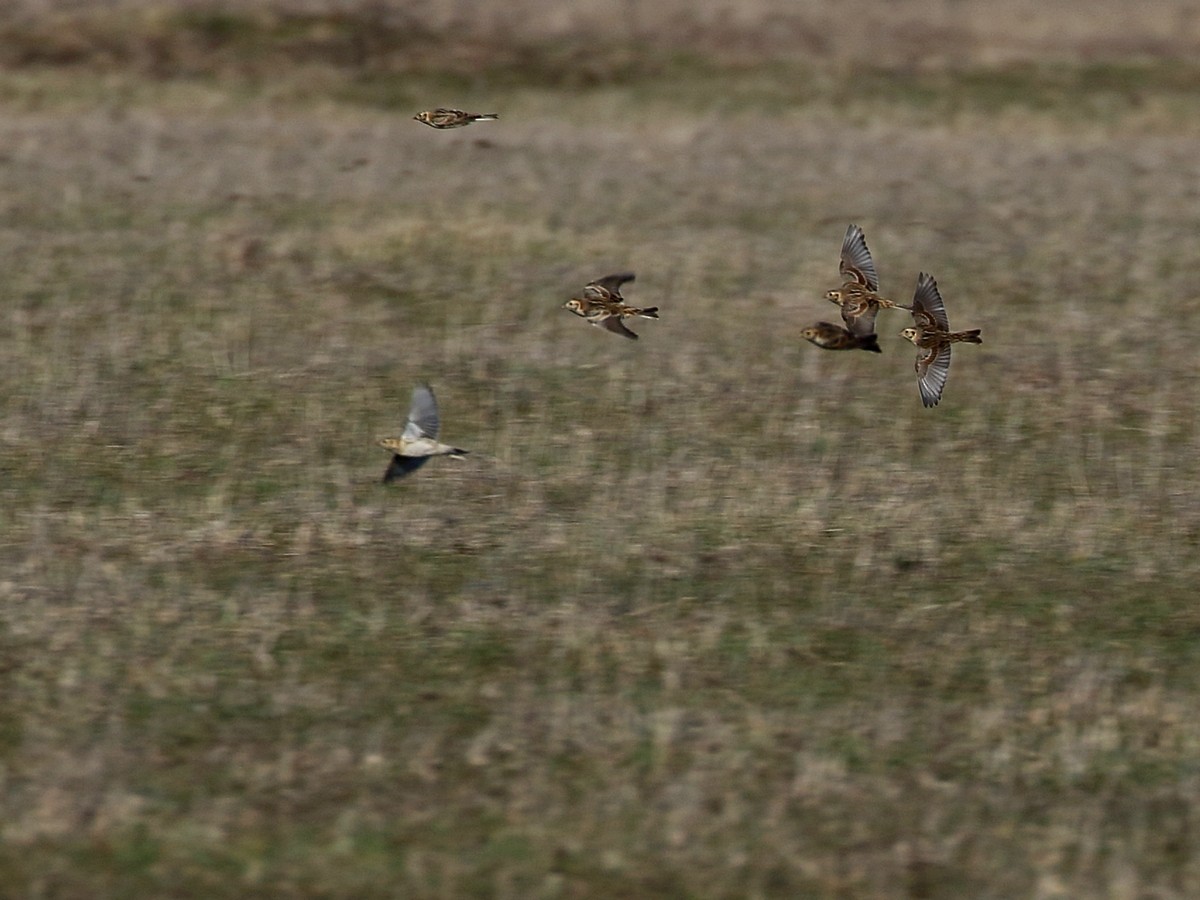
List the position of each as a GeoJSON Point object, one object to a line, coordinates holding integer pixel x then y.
{"type": "Point", "coordinates": [585, 41]}
{"type": "Point", "coordinates": [712, 614]}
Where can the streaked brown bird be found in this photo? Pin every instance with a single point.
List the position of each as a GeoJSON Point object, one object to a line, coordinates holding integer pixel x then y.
{"type": "Point", "coordinates": [419, 440]}
{"type": "Point", "coordinates": [828, 336]}
{"type": "Point", "coordinates": [603, 305]}
{"type": "Point", "coordinates": [933, 337]}
{"type": "Point", "coordinates": [451, 118]}
{"type": "Point", "coordinates": [858, 296]}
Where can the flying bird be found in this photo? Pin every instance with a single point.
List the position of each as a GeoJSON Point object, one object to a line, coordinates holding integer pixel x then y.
{"type": "Point", "coordinates": [933, 337]}
{"type": "Point", "coordinates": [828, 336]}
{"type": "Point", "coordinates": [451, 118]}
{"type": "Point", "coordinates": [858, 296]}
{"type": "Point", "coordinates": [419, 440]}
{"type": "Point", "coordinates": [603, 305]}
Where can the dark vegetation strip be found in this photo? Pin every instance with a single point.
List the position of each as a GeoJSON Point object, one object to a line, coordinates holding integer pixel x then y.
{"type": "Point", "coordinates": [376, 41]}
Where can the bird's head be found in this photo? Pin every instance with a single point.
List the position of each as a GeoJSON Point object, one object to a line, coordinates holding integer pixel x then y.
{"type": "Point", "coordinates": [392, 444]}
{"type": "Point", "coordinates": [809, 334]}
{"type": "Point", "coordinates": [911, 334]}
{"type": "Point", "coordinates": [575, 306]}
{"type": "Point", "coordinates": [833, 296]}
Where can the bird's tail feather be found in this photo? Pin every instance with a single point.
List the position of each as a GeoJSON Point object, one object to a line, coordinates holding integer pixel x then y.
{"type": "Point", "coordinates": [968, 337]}
{"type": "Point", "coordinates": [869, 342]}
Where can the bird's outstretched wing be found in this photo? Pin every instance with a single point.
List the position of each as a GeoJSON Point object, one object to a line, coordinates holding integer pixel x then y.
{"type": "Point", "coordinates": [928, 310]}
{"type": "Point", "coordinates": [856, 264]}
{"type": "Point", "coordinates": [616, 326]}
{"type": "Point", "coordinates": [610, 285]}
{"type": "Point", "coordinates": [422, 415]}
{"type": "Point", "coordinates": [933, 368]}
{"type": "Point", "coordinates": [860, 318]}
{"type": "Point", "coordinates": [402, 465]}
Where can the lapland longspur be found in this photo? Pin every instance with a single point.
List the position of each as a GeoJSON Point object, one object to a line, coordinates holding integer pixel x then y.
{"type": "Point", "coordinates": [603, 305]}
{"type": "Point", "coordinates": [933, 337]}
{"type": "Point", "coordinates": [419, 440]}
{"type": "Point", "coordinates": [828, 336]}
{"type": "Point", "coordinates": [451, 118]}
{"type": "Point", "coordinates": [858, 296]}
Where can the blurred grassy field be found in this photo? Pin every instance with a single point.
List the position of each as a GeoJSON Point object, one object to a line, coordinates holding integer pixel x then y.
{"type": "Point", "coordinates": [712, 614]}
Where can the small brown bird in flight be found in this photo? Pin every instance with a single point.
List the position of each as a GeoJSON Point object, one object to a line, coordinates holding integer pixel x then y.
{"type": "Point", "coordinates": [858, 296]}
{"type": "Point", "coordinates": [933, 337]}
{"type": "Point", "coordinates": [451, 118]}
{"type": "Point", "coordinates": [834, 337]}
{"type": "Point", "coordinates": [603, 305]}
{"type": "Point", "coordinates": [419, 440]}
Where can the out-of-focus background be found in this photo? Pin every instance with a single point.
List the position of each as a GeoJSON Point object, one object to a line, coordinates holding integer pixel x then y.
{"type": "Point", "coordinates": [712, 614]}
